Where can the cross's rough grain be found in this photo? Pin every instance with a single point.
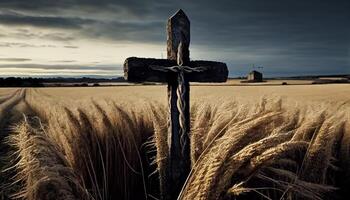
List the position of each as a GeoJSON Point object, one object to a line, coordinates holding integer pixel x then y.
{"type": "Point", "coordinates": [179, 160]}
{"type": "Point", "coordinates": [177, 70]}
{"type": "Point", "coordinates": [138, 70]}
{"type": "Point", "coordinates": [178, 29]}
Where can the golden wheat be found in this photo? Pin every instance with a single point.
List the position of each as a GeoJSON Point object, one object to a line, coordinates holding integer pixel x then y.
{"type": "Point", "coordinates": [114, 146]}
{"type": "Point", "coordinates": [43, 168]}
{"type": "Point", "coordinates": [103, 143]}
{"type": "Point", "coordinates": [227, 170]}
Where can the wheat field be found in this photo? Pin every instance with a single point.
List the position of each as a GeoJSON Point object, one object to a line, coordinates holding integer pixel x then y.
{"type": "Point", "coordinates": [247, 142]}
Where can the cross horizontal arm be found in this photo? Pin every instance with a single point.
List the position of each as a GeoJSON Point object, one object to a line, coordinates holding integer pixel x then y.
{"type": "Point", "coordinates": [143, 70]}
{"type": "Point", "coordinates": [214, 71]}
{"type": "Point", "coordinates": [139, 70]}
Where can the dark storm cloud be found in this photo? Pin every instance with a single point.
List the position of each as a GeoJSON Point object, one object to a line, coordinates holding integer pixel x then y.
{"type": "Point", "coordinates": [16, 19]}
{"type": "Point", "coordinates": [149, 32]}
{"type": "Point", "coordinates": [293, 37]}
{"type": "Point", "coordinates": [289, 36]}
{"type": "Point", "coordinates": [77, 27]}
{"type": "Point", "coordinates": [134, 7]}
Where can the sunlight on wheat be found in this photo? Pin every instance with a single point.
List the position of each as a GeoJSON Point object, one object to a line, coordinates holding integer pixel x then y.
{"type": "Point", "coordinates": [101, 148]}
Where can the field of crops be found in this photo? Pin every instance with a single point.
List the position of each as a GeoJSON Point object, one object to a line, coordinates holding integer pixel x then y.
{"type": "Point", "coordinates": [247, 142]}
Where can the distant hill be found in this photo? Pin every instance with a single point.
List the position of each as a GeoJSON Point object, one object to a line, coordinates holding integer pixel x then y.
{"type": "Point", "coordinates": [42, 82]}
{"type": "Point", "coordinates": [308, 77]}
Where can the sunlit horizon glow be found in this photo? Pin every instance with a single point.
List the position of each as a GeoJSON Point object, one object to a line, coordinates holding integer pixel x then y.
{"type": "Point", "coordinates": [78, 38]}
{"type": "Point", "coordinates": [24, 57]}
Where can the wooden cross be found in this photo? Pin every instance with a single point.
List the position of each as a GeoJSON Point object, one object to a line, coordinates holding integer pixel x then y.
{"type": "Point", "coordinates": [177, 70]}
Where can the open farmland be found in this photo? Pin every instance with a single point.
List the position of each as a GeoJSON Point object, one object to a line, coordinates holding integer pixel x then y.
{"type": "Point", "coordinates": [299, 93]}
{"type": "Point", "coordinates": [247, 142]}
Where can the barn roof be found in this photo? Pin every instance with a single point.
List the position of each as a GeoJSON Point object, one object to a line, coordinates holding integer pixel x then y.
{"type": "Point", "coordinates": [255, 72]}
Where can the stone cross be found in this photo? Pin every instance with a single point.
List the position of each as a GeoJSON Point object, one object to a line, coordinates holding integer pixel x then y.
{"type": "Point", "coordinates": [177, 71]}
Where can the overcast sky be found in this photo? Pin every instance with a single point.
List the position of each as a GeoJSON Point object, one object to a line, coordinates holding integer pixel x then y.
{"type": "Point", "coordinates": [93, 37]}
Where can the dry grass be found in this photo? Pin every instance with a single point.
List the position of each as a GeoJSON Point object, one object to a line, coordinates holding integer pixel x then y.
{"type": "Point", "coordinates": [261, 148]}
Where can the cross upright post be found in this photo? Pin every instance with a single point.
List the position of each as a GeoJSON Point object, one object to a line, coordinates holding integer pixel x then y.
{"type": "Point", "coordinates": [179, 161]}
{"type": "Point", "coordinates": [177, 70]}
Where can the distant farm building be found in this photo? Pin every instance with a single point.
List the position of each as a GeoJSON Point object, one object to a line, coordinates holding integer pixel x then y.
{"type": "Point", "coordinates": [255, 76]}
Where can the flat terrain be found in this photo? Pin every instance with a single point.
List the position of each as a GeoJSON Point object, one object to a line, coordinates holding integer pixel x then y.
{"type": "Point", "coordinates": [271, 82]}
{"type": "Point", "coordinates": [299, 93]}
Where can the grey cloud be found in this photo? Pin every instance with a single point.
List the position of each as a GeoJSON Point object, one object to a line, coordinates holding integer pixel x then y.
{"type": "Point", "coordinates": [58, 37]}
{"type": "Point", "coordinates": [62, 67]}
{"type": "Point", "coordinates": [135, 7]}
{"type": "Point", "coordinates": [23, 45]}
{"type": "Point", "coordinates": [148, 31]}
{"type": "Point", "coordinates": [23, 33]}
{"type": "Point", "coordinates": [64, 61]}
{"type": "Point", "coordinates": [71, 47]}
{"type": "Point", "coordinates": [15, 59]}
{"type": "Point", "coordinates": [16, 19]}
{"type": "Point", "coordinates": [305, 35]}
{"type": "Point", "coordinates": [128, 31]}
